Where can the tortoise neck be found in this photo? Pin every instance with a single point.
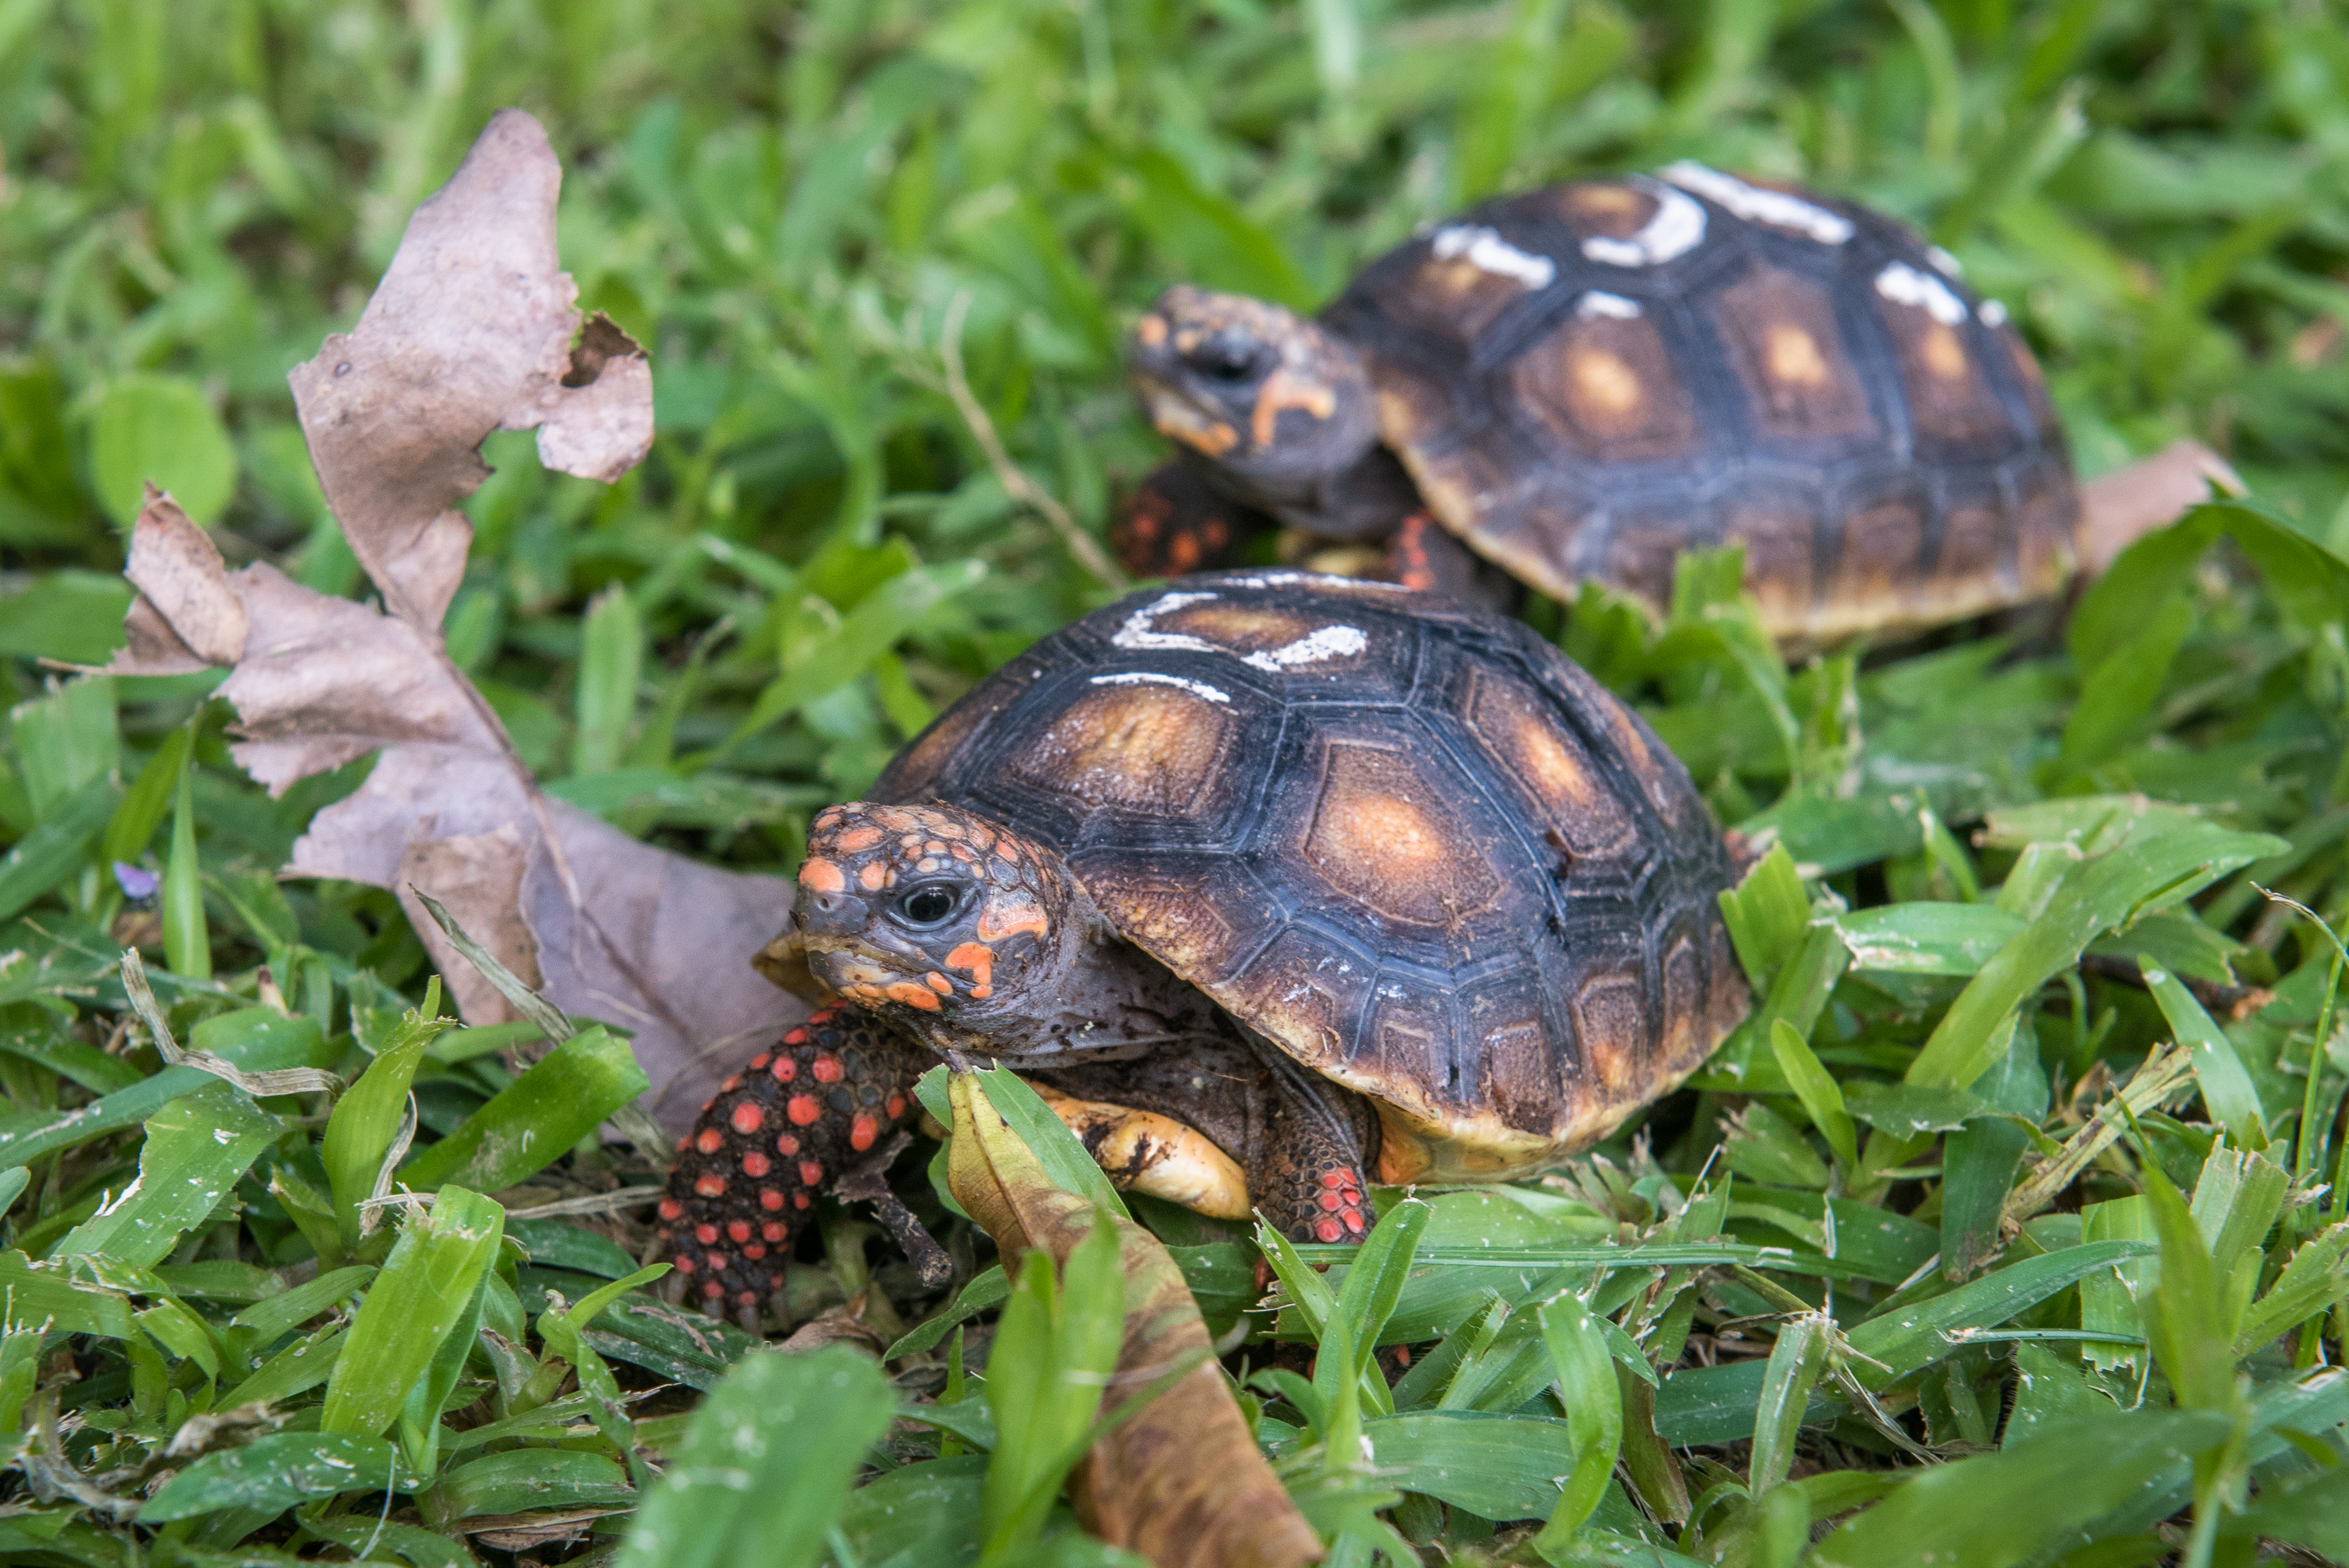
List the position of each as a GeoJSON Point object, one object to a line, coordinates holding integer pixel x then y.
{"type": "Point", "coordinates": [1092, 996]}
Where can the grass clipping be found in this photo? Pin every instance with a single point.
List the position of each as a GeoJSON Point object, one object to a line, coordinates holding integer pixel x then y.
{"type": "Point", "coordinates": [1182, 1482]}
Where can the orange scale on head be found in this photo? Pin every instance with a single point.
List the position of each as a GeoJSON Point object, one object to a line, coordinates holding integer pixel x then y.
{"type": "Point", "coordinates": [874, 874]}
{"type": "Point", "coordinates": [914, 994]}
{"type": "Point", "coordinates": [858, 839]}
{"type": "Point", "coordinates": [823, 877]}
{"type": "Point", "coordinates": [962, 854]}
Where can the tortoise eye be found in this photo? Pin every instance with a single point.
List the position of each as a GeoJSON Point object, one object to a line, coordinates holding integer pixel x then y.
{"type": "Point", "coordinates": [1226, 358]}
{"type": "Point", "coordinates": [927, 904]}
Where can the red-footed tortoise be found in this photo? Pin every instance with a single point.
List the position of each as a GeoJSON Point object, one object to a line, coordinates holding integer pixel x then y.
{"type": "Point", "coordinates": [1579, 382]}
{"type": "Point", "coordinates": [1274, 884]}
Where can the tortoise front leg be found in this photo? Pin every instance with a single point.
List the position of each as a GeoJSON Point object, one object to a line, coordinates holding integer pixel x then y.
{"type": "Point", "coordinates": [795, 1122]}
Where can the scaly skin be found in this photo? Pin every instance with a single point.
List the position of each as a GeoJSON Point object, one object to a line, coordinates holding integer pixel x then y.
{"type": "Point", "coordinates": [775, 1135]}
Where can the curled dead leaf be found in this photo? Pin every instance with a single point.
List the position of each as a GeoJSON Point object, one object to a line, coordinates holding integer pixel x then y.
{"type": "Point", "coordinates": [471, 330]}
{"type": "Point", "coordinates": [1183, 1482]}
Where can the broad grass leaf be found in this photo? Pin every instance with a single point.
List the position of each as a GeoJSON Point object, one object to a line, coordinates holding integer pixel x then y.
{"type": "Point", "coordinates": [1796, 1358]}
{"type": "Point", "coordinates": [536, 1120]}
{"type": "Point", "coordinates": [428, 1288]}
{"type": "Point", "coordinates": [765, 1467]}
{"type": "Point", "coordinates": [2227, 1090]}
{"type": "Point", "coordinates": [55, 848]}
{"type": "Point", "coordinates": [1817, 1088]}
{"type": "Point", "coordinates": [1054, 1349]}
{"type": "Point", "coordinates": [41, 1292]}
{"type": "Point", "coordinates": [2095, 895]}
{"type": "Point", "coordinates": [1495, 1465]}
{"type": "Point", "coordinates": [2118, 695]}
{"type": "Point", "coordinates": [272, 1318]}
{"type": "Point", "coordinates": [2001, 1510]}
{"type": "Point", "coordinates": [276, 1472]}
{"type": "Point", "coordinates": [64, 741]}
{"type": "Point", "coordinates": [611, 665]}
{"type": "Point", "coordinates": [1910, 1338]}
{"type": "Point", "coordinates": [1926, 938]}
{"type": "Point", "coordinates": [1209, 237]}
{"type": "Point", "coordinates": [1766, 913]}
{"type": "Point", "coordinates": [1587, 1392]}
{"type": "Point", "coordinates": [159, 430]}
{"type": "Point", "coordinates": [918, 1513]}
{"type": "Point", "coordinates": [1979, 1161]}
{"type": "Point", "coordinates": [366, 1119]}
{"type": "Point", "coordinates": [2316, 1278]}
{"type": "Point", "coordinates": [2310, 1510]}
{"type": "Point", "coordinates": [197, 1148]}
{"type": "Point", "coordinates": [985, 1289]}
{"type": "Point", "coordinates": [1048, 1138]}
{"type": "Point", "coordinates": [2185, 1314]}
{"type": "Point", "coordinates": [524, 1479]}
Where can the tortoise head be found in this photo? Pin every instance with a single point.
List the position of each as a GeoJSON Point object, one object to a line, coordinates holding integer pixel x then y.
{"type": "Point", "coordinates": [934, 916]}
{"type": "Point", "coordinates": [1273, 401]}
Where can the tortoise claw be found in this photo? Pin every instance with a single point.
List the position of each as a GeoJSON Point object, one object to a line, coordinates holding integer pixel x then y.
{"type": "Point", "coordinates": [868, 1182]}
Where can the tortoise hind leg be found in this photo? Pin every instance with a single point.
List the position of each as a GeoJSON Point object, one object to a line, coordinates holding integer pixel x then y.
{"type": "Point", "coordinates": [1309, 1174]}
{"type": "Point", "coordinates": [793, 1123]}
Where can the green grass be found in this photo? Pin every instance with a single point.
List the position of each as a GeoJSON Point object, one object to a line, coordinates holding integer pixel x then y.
{"type": "Point", "coordinates": [788, 206]}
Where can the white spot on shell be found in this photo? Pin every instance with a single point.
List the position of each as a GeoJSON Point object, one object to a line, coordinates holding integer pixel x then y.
{"type": "Point", "coordinates": [1485, 250]}
{"type": "Point", "coordinates": [1756, 205]}
{"type": "Point", "coordinates": [1904, 284]}
{"type": "Point", "coordinates": [1614, 306]}
{"type": "Point", "coordinates": [1314, 580]}
{"type": "Point", "coordinates": [1329, 642]}
{"type": "Point", "coordinates": [1152, 677]}
{"type": "Point", "coordinates": [1676, 228]}
{"type": "Point", "coordinates": [1990, 313]}
{"type": "Point", "coordinates": [1947, 265]}
{"type": "Point", "coordinates": [1138, 635]}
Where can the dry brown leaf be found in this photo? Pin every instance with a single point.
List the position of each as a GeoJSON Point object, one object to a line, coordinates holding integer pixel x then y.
{"type": "Point", "coordinates": [471, 330]}
{"type": "Point", "coordinates": [1183, 1482]}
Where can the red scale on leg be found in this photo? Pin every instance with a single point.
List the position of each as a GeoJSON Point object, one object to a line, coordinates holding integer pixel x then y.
{"type": "Point", "coordinates": [748, 1172]}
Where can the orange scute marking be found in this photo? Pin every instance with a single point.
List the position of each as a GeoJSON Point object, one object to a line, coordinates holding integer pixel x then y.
{"type": "Point", "coordinates": [770, 1199]}
{"type": "Point", "coordinates": [857, 839]}
{"type": "Point", "coordinates": [748, 1119]}
{"type": "Point", "coordinates": [823, 877]}
{"type": "Point", "coordinates": [711, 1186]}
{"type": "Point", "coordinates": [828, 1069]}
{"type": "Point", "coordinates": [738, 1230]}
{"type": "Point", "coordinates": [811, 1173]}
{"type": "Point", "coordinates": [754, 1164]}
{"type": "Point", "coordinates": [709, 1141]}
{"type": "Point", "coordinates": [802, 1110]}
{"type": "Point", "coordinates": [863, 1132]}
{"type": "Point", "coordinates": [706, 1234]}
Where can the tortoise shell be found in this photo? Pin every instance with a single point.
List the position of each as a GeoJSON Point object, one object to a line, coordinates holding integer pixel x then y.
{"type": "Point", "coordinates": [1585, 379]}
{"type": "Point", "coordinates": [1411, 844]}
